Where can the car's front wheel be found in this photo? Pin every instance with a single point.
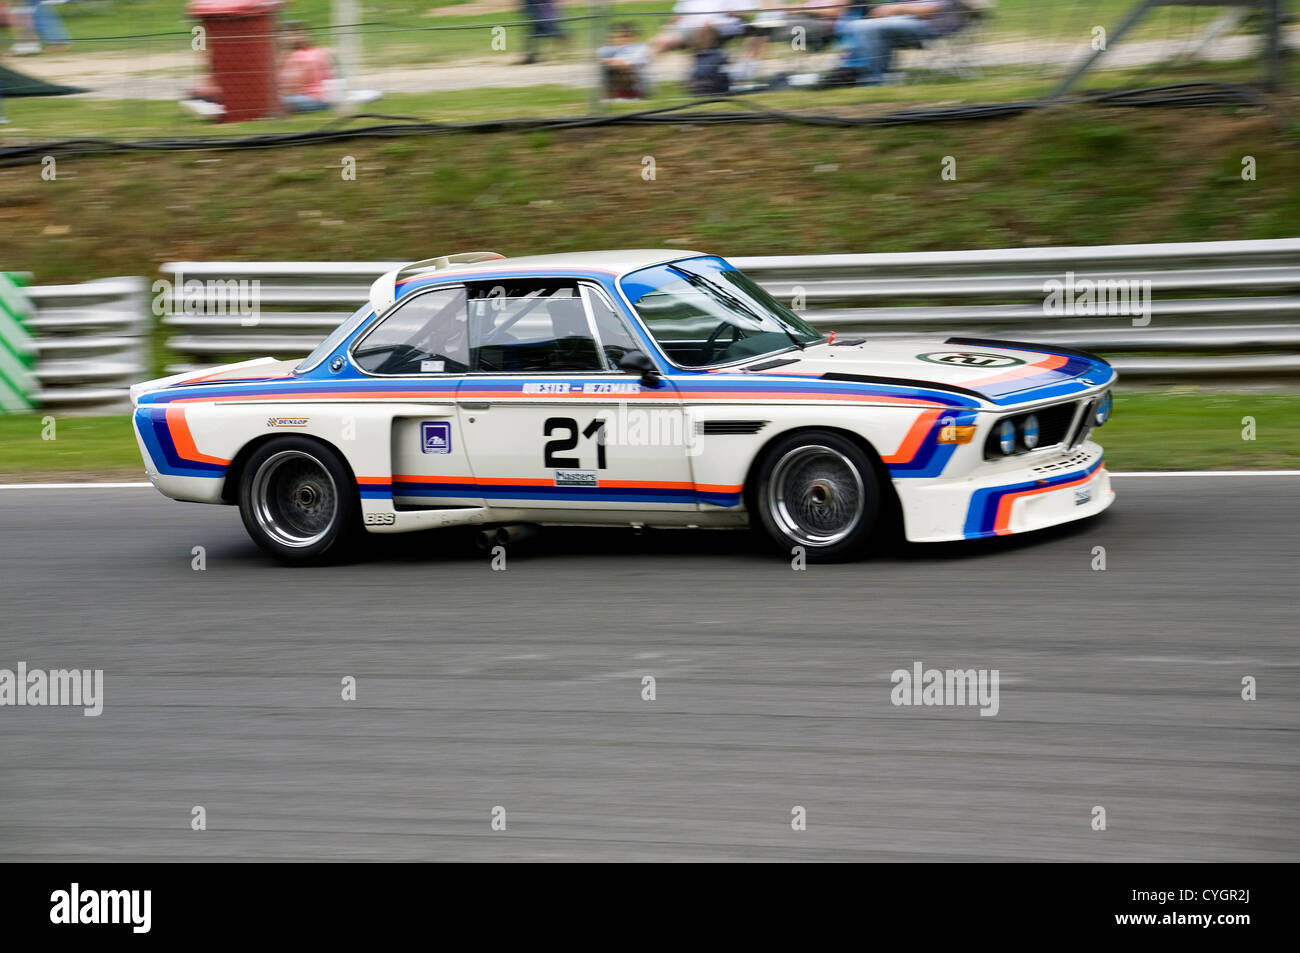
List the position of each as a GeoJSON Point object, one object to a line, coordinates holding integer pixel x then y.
{"type": "Point", "coordinates": [298, 500]}
{"type": "Point", "coordinates": [819, 491]}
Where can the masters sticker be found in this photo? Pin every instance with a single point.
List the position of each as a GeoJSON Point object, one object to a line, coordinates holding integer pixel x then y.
{"type": "Point", "coordinates": [970, 359]}
{"type": "Point", "coordinates": [435, 436]}
{"type": "Point", "coordinates": [576, 478]}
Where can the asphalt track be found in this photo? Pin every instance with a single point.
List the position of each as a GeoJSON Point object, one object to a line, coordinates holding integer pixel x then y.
{"type": "Point", "coordinates": [522, 689]}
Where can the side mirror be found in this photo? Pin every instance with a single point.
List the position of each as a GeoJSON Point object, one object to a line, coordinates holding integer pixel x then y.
{"type": "Point", "coordinates": [638, 362]}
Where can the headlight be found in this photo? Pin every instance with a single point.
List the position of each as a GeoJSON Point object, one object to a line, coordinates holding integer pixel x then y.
{"type": "Point", "coordinates": [1029, 431]}
{"type": "Point", "coordinates": [1101, 410]}
{"type": "Point", "coordinates": [1007, 437]}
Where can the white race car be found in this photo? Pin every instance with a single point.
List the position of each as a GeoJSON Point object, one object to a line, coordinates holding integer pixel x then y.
{"type": "Point", "coordinates": [644, 388]}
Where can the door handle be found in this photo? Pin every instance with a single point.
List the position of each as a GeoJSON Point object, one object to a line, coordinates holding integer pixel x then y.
{"type": "Point", "coordinates": [475, 405]}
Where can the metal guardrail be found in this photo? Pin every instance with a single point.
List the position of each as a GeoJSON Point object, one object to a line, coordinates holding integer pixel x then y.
{"type": "Point", "coordinates": [92, 343]}
{"type": "Point", "coordinates": [1217, 309]}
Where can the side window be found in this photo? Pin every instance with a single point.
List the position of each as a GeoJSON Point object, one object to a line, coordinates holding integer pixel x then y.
{"type": "Point", "coordinates": [424, 335]}
{"type": "Point", "coordinates": [615, 337]}
{"type": "Point", "coordinates": [530, 326]}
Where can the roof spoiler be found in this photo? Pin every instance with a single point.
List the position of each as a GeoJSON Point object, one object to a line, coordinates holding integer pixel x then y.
{"type": "Point", "coordinates": [383, 292]}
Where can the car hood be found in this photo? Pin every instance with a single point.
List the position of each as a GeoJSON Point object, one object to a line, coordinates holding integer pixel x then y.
{"type": "Point", "coordinates": [260, 369]}
{"type": "Point", "coordinates": [999, 371]}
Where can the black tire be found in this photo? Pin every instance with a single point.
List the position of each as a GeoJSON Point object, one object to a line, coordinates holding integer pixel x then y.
{"type": "Point", "coordinates": [818, 490]}
{"type": "Point", "coordinates": [299, 501]}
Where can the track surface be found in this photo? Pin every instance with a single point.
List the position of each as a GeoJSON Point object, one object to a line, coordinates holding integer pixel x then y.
{"type": "Point", "coordinates": [523, 689]}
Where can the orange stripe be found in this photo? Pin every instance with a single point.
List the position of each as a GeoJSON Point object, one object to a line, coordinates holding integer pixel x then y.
{"type": "Point", "coordinates": [530, 481]}
{"type": "Point", "coordinates": [907, 450]}
{"type": "Point", "coordinates": [1002, 524]}
{"type": "Point", "coordinates": [1050, 363]}
{"type": "Point", "coordinates": [184, 440]}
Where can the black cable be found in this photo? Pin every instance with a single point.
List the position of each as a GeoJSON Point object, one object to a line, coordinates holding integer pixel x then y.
{"type": "Point", "coordinates": [1176, 95]}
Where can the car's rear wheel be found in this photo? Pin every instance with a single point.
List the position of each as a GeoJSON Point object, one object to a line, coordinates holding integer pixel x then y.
{"type": "Point", "coordinates": [819, 491]}
{"type": "Point", "coordinates": [299, 501]}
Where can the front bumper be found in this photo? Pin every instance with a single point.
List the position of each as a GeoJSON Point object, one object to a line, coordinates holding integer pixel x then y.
{"type": "Point", "coordinates": [1008, 498]}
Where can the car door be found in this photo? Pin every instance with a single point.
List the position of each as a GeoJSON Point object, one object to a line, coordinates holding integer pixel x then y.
{"type": "Point", "coordinates": [421, 350]}
{"type": "Point", "coordinates": [550, 422]}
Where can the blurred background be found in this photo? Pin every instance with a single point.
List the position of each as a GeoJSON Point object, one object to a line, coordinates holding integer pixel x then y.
{"type": "Point", "coordinates": [958, 155]}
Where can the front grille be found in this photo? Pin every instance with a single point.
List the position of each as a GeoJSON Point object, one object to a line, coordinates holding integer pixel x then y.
{"type": "Point", "coordinates": [1054, 424]}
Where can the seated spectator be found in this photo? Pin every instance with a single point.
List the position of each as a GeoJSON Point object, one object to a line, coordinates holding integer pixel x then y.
{"type": "Point", "coordinates": [871, 40]}
{"type": "Point", "coordinates": [624, 64]}
{"type": "Point", "coordinates": [306, 74]}
{"type": "Point", "coordinates": [724, 16]}
{"type": "Point", "coordinates": [817, 19]}
{"type": "Point", "coordinates": [709, 75]}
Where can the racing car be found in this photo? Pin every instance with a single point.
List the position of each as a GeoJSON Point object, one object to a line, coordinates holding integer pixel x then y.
{"type": "Point", "coordinates": [646, 388]}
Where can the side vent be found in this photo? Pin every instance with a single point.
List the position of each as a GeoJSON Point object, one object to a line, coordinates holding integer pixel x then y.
{"type": "Point", "coordinates": [720, 427]}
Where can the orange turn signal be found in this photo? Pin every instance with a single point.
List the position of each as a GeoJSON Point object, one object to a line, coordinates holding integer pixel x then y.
{"type": "Point", "coordinates": [957, 433]}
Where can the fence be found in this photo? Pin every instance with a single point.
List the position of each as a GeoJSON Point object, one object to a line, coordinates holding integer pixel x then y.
{"type": "Point", "coordinates": [131, 64]}
{"type": "Point", "coordinates": [1216, 309]}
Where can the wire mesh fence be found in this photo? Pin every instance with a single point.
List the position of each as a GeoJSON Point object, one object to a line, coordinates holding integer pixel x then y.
{"type": "Point", "coordinates": [160, 68]}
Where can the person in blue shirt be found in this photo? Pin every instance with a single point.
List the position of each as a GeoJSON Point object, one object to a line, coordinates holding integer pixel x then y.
{"type": "Point", "coordinates": [870, 40]}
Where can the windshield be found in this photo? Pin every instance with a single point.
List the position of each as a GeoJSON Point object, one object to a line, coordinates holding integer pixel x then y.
{"type": "Point", "coordinates": [703, 312]}
{"type": "Point", "coordinates": [336, 337]}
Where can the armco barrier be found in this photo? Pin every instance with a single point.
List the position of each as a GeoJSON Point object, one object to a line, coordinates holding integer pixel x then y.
{"type": "Point", "coordinates": [93, 343]}
{"type": "Point", "coordinates": [1217, 309]}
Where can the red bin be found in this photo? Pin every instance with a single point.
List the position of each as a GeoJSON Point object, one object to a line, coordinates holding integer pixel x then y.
{"type": "Point", "coordinates": [241, 42]}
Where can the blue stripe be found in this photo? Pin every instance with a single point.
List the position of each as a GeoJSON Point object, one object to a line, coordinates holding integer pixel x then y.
{"type": "Point", "coordinates": [983, 511]}
{"type": "Point", "coordinates": [151, 425]}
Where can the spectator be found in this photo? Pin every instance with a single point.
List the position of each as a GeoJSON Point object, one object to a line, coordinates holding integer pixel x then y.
{"type": "Point", "coordinates": [886, 27]}
{"type": "Point", "coordinates": [709, 64]}
{"type": "Point", "coordinates": [724, 16]}
{"type": "Point", "coordinates": [818, 19]}
{"type": "Point", "coordinates": [36, 22]}
{"type": "Point", "coordinates": [624, 64]}
{"type": "Point", "coordinates": [306, 74]}
{"type": "Point", "coordinates": [543, 18]}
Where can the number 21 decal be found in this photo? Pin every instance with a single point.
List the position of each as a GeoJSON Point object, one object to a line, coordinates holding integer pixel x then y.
{"type": "Point", "coordinates": [594, 429]}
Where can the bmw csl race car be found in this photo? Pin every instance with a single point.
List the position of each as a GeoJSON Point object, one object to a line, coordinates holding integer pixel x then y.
{"type": "Point", "coordinates": [644, 388]}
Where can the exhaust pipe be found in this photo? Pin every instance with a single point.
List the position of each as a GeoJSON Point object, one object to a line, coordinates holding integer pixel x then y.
{"type": "Point", "coordinates": [506, 535]}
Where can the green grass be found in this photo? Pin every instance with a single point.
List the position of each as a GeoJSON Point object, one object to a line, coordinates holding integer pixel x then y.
{"type": "Point", "coordinates": [83, 448]}
{"type": "Point", "coordinates": [1184, 429]}
{"type": "Point", "coordinates": [1179, 429]}
{"type": "Point", "coordinates": [1078, 176]}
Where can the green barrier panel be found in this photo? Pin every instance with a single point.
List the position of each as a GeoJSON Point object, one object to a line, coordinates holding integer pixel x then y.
{"type": "Point", "coordinates": [17, 349]}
